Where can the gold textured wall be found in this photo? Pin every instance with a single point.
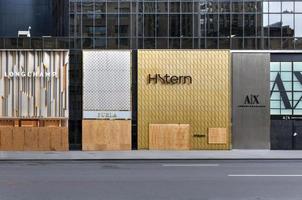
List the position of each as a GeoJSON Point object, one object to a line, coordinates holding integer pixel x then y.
{"type": "Point", "coordinates": [204, 104]}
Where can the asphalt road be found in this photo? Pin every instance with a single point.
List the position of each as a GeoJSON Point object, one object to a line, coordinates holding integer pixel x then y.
{"type": "Point", "coordinates": [151, 180]}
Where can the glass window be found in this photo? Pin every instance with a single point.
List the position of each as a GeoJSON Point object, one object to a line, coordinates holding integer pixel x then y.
{"type": "Point", "coordinates": [125, 25]}
{"type": "Point", "coordinates": [212, 25]}
{"type": "Point", "coordinates": [88, 27]}
{"type": "Point", "coordinates": [250, 25]}
{"type": "Point", "coordinates": [212, 43]}
{"type": "Point", "coordinates": [174, 24]}
{"type": "Point", "coordinates": [100, 43]}
{"type": "Point", "coordinates": [287, 6]}
{"type": "Point", "coordinates": [250, 6]}
{"type": "Point", "coordinates": [124, 43]}
{"type": "Point", "coordinates": [112, 7]}
{"type": "Point", "coordinates": [224, 6]}
{"type": "Point", "coordinates": [250, 43]}
{"type": "Point", "coordinates": [174, 43]}
{"type": "Point", "coordinates": [286, 66]}
{"type": "Point", "coordinates": [298, 25]}
{"type": "Point", "coordinates": [186, 7]}
{"type": "Point", "coordinates": [149, 43]}
{"type": "Point", "coordinates": [265, 25]}
{"type": "Point", "coordinates": [265, 7]}
{"type": "Point", "coordinates": [224, 25]}
{"type": "Point", "coordinates": [149, 25]}
{"type": "Point", "coordinates": [186, 43]}
{"type": "Point", "coordinates": [112, 29]}
{"type": "Point", "coordinates": [200, 21]}
{"type": "Point", "coordinates": [162, 7]}
{"type": "Point", "coordinates": [186, 25]}
{"type": "Point", "coordinates": [161, 25]}
{"type": "Point", "coordinates": [149, 7]}
{"type": "Point", "coordinates": [125, 7]}
{"type": "Point", "coordinates": [112, 43]}
{"type": "Point", "coordinates": [237, 6]}
{"type": "Point", "coordinates": [297, 66]}
{"type": "Point", "coordinates": [212, 6]}
{"type": "Point", "coordinates": [100, 25]}
{"type": "Point", "coordinates": [237, 25]}
{"type": "Point", "coordinates": [288, 25]}
{"type": "Point", "coordinates": [275, 66]}
{"type": "Point", "coordinates": [78, 21]}
{"type": "Point", "coordinates": [87, 43]}
{"type": "Point", "coordinates": [174, 7]}
{"type": "Point", "coordinates": [275, 43]}
{"type": "Point", "coordinates": [224, 43]}
{"type": "Point", "coordinates": [100, 6]}
{"type": "Point", "coordinates": [275, 6]}
{"type": "Point", "coordinates": [298, 6]}
{"type": "Point", "coordinates": [275, 25]}
{"type": "Point", "coordinates": [162, 43]}
{"type": "Point", "coordinates": [88, 6]}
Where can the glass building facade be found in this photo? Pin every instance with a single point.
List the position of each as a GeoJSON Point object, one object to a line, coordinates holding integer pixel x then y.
{"type": "Point", "coordinates": [185, 24]}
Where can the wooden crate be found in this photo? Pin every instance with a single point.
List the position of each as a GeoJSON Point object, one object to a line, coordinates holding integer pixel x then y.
{"type": "Point", "coordinates": [106, 135]}
{"type": "Point", "coordinates": [169, 137]}
{"type": "Point", "coordinates": [217, 136]}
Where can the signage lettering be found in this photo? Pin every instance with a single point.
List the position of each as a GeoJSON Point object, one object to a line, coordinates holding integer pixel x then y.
{"type": "Point", "coordinates": [167, 79]}
{"type": "Point", "coordinates": [251, 101]}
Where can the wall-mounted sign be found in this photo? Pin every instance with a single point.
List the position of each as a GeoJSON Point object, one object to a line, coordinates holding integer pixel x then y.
{"type": "Point", "coordinates": [169, 79]}
{"type": "Point", "coordinates": [107, 114]}
{"type": "Point", "coordinates": [252, 101]}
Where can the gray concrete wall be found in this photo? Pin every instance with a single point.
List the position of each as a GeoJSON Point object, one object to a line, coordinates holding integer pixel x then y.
{"type": "Point", "coordinates": [251, 101]}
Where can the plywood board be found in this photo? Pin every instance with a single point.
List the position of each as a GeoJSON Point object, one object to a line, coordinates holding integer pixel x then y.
{"type": "Point", "coordinates": [217, 136]}
{"type": "Point", "coordinates": [18, 139]}
{"type": "Point", "coordinates": [29, 123]}
{"type": "Point", "coordinates": [51, 123]}
{"type": "Point", "coordinates": [106, 135]}
{"type": "Point", "coordinates": [6, 138]}
{"type": "Point", "coordinates": [169, 137]}
{"type": "Point", "coordinates": [44, 139]}
{"type": "Point", "coordinates": [7, 123]}
{"type": "Point", "coordinates": [31, 139]}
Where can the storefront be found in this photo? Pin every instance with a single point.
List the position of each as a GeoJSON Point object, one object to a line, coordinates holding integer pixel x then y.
{"type": "Point", "coordinates": [34, 100]}
{"type": "Point", "coordinates": [106, 100]}
{"type": "Point", "coordinates": [184, 99]}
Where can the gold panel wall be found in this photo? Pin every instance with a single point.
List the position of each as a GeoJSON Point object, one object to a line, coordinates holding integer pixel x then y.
{"type": "Point", "coordinates": [204, 104]}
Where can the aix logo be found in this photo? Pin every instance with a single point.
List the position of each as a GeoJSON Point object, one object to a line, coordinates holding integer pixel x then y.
{"type": "Point", "coordinates": [168, 79]}
{"type": "Point", "coordinates": [251, 100]}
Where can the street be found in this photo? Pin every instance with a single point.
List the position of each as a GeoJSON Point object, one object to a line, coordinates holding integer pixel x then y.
{"type": "Point", "coordinates": [151, 180]}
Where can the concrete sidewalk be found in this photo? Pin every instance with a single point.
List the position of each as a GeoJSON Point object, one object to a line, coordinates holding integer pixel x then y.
{"type": "Point", "coordinates": [151, 155]}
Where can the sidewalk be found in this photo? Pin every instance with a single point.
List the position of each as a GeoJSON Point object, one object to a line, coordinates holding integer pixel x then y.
{"type": "Point", "coordinates": [151, 155]}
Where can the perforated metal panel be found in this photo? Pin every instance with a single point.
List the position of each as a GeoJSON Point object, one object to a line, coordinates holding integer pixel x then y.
{"type": "Point", "coordinates": [106, 81]}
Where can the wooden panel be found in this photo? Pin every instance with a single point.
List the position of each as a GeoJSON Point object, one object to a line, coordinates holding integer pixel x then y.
{"type": "Point", "coordinates": [51, 123]}
{"type": "Point", "coordinates": [6, 138]}
{"type": "Point", "coordinates": [169, 137]}
{"type": "Point", "coordinates": [217, 136]}
{"type": "Point", "coordinates": [29, 123]}
{"type": "Point", "coordinates": [5, 123]}
{"type": "Point", "coordinates": [31, 139]}
{"type": "Point", "coordinates": [44, 139]}
{"type": "Point", "coordinates": [106, 135]}
{"type": "Point", "coordinates": [18, 139]}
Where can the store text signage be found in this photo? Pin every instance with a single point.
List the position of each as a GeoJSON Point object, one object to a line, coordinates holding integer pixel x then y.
{"type": "Point", "coordinates": [251, 100]}
{"type": "Point", "coordinates": [29, 74]}
{"type": "Point", "coordinates": [168, 79]}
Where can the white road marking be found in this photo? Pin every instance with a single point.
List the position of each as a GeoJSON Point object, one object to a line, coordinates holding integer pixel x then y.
{"type": "Point", "coordinates": [190, 165]}
{"type": "Point", "coordinates": [265, 175]}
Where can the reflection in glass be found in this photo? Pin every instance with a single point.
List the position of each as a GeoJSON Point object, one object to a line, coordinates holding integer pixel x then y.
{"type": "Point", "coordinates": [224, 25]}
{"type": "Point", "coordinates": [100, 25]}
{"type": "Point", "coordinates": [112, 7]}
{"type": "Point", "coordinates": [161, 25]}
{"type": "Point", "coordinates": [237, 6]}
{"type": "Point", "coordinates": [275, 6]}
{"type": "Point", "coordinates": [112, 29]}
{"type": "Point", "coordinates": [174, 7]}
{"type": "Point", "coordinates": [149, 7]}
{"type": "Point", "coordinates": [186, 7]}
{"type": "Point", "coordinates": [162, 7]}
{"type": "Point", "coordinates": [250, 25]}
{"type": "Point", "coordinates": [298, 6]}
{"type": "Point", "coordinates": [287, 6]}
{"type": "Point", "coordinates": [187, 28]}
{"type": "Point", "coordinates": [174, 24]}
{"type": "Point", "coordinates": [237, 25]}
{"type": "Point", "coordinates": [275, 25]}
{"type": "Point", "coordinates": [124, 7]}
{"type": "Point", "coordinates": [298, 25]}
{"type": "Point", "coordinates": [212, 25]}
{"type": "Point", "coordinates": [287, 25]}
{"type": "Point", "coordinates": [88, 6]}
{"type": "Point", "coordinates": [149, 25]}
{"type": "Point", "coordinates": [100, 6]}
{"type": "Point", "coordinates": [265, 6]}
{"type": "Point", "coordinates": [125, 25]}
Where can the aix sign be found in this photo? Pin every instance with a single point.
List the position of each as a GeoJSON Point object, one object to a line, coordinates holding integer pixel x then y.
{"type": "Point", "coordinates": [251, 100]}
{"type": "Point", "coordinates": [168, 79]}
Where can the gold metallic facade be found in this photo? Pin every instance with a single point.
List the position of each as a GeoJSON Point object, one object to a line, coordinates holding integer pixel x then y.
{"type": "Point", "coordinates": [204, 104]}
